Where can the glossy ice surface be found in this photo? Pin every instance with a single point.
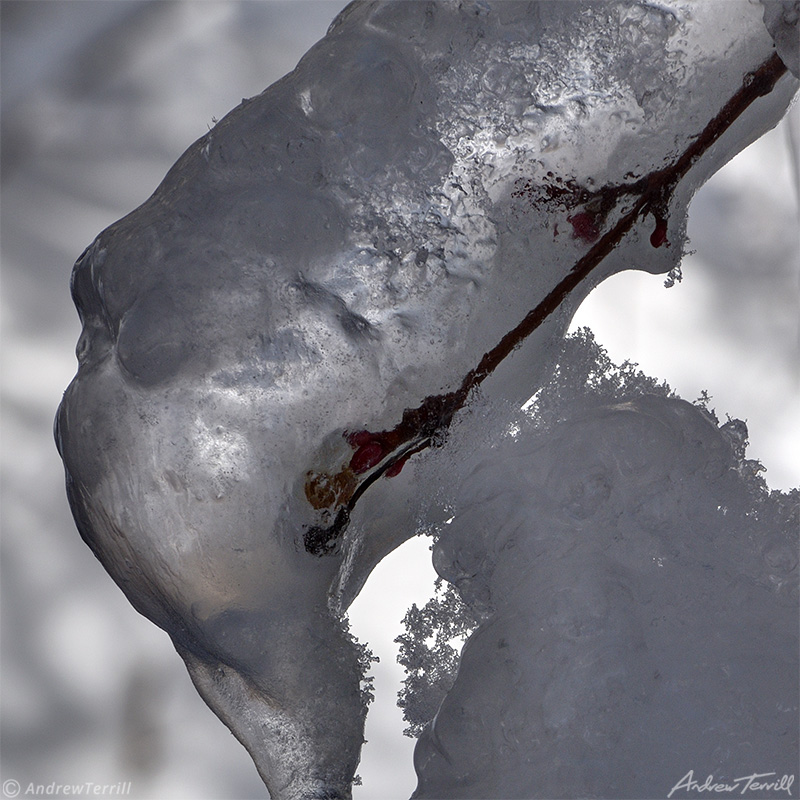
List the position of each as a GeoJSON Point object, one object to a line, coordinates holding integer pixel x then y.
{"type": "Point", "coordinates": [271, 334]}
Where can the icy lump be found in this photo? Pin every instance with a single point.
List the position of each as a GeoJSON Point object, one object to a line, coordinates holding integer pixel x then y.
{"type": "Point", "coordinates": [782, 18]}
{"type": "Point", "coordinates": [639, 612]}
{"type": "Point", "coordinates": [320, 283]}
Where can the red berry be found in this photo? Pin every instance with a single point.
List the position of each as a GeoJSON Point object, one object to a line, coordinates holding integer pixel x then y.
{"type": "Point", "coordinates": [366, 457]}
{"type": "Point", "coordinates": [396, 468]}
{"type": "Point", "coordinates": [659, 235]}
{"type": "Point", "coordinates": [358, 438]}
{"type": "Point", "coordinates": [583, 226]}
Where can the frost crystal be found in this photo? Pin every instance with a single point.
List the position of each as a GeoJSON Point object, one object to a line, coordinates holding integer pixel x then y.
{"type": "Point", "coordinates": [597, 554]}
{"type": "Point", "coordinates": [639, 600]}
{"type": "Point", "coordinates": [323, 280]}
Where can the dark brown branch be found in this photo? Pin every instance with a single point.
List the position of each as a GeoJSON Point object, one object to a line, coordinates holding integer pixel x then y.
{"type": "Point", "coordinates": [421, 427]}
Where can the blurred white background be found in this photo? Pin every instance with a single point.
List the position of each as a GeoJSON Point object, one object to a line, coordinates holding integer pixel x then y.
{"type": "Point", "coordinates": [99, 98]}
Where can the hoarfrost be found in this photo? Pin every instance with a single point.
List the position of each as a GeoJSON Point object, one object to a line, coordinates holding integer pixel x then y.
{"type": "Point", "coordinates": [324, 279]}
{"type": "Point", "coordinates": [636, 602]}
{"type": "Point", "coordinates": [595, 557]}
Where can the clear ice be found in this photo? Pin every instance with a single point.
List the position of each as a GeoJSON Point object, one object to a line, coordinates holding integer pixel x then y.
{"type": "Point", "coordinates": [274, 340]}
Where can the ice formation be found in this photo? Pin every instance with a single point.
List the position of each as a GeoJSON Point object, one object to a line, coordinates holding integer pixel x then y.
{"type": "Point", "coordinates": [782, 18]}
{"type": "Point", "coordinates": [320, 283]}
{"type": "Point", "coordinates": [633, 593]}
{"type": "Point", "coordinates": [640, 620]}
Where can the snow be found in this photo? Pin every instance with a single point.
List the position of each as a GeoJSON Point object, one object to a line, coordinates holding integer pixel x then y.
{"type": "Point", "coordinates": [336, 251]}
{"type": "Point", "coordinates": [597, 551]}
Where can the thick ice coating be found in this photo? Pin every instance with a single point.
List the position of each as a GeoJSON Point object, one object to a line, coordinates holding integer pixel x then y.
{"type": "Point", "coordinates": [320, 282]}
{"type": "Point", "coordinates": [782, 18]}
{"type": "Point", "coordinates": [641, 615]}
